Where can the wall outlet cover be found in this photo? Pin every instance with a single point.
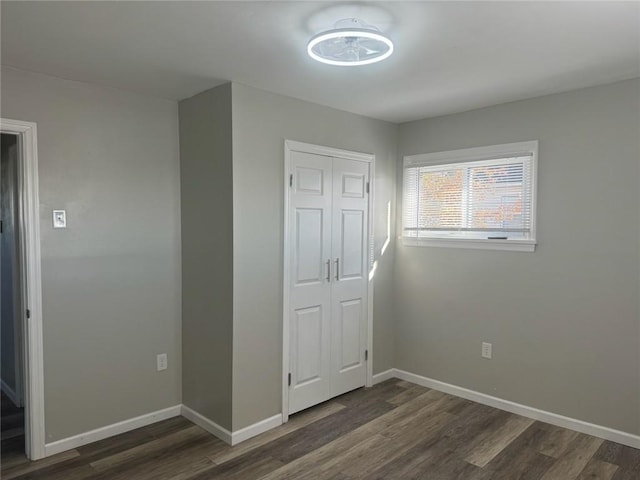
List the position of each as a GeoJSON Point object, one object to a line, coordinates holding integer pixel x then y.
{"type": "Point", "coordinates": [162, 362]}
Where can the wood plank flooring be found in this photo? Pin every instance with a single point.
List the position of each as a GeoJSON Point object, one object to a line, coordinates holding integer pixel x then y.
{"type": "Point", "coordinates": [11, 432]}
{"type": "Point", "coordinates": [395, 430]}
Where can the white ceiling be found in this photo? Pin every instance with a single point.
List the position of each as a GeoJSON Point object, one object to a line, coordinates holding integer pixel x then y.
{"type": "Point", "coordinates": [450, 56]}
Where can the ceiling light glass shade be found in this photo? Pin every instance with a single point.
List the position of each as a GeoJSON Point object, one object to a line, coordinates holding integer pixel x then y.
{"type": "Point", "coordinates": [350, 43]}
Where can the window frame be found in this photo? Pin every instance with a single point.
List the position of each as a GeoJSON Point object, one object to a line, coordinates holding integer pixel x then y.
{"type": "Point", "coordinates": [467, 155]}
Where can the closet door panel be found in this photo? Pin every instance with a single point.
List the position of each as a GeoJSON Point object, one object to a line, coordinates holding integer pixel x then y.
{"type": "Point", "coordinates": [350, 215]}
{"type": "Point", "coordinates": [310, 288]}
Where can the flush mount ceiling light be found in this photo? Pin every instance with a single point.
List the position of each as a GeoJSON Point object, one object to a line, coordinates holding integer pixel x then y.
{"type": "Point", "coordinates": [350, 43]}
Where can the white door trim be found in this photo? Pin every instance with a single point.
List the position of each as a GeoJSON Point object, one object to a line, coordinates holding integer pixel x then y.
{"type": "Point", "coordinates": [290, 146]}
{"type": "Point", "coordinates": [29, 228]}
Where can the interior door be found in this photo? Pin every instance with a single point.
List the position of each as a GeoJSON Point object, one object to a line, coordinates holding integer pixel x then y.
{"type": "Point", "coordinates": [310, 288]}
{"type": "Point", "coordinates": [349, 241]}
{"type": "Point", "coordinates": [328, 225]}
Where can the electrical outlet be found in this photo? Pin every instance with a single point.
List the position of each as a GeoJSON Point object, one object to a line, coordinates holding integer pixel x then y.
{"type": "Point", "coordinates": [162, 361]}
{"type": "Point", "coordinates": [486, 350]}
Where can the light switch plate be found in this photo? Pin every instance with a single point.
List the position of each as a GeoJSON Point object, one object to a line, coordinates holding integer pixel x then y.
{"type": "Point", "coordinates": [59, 219]}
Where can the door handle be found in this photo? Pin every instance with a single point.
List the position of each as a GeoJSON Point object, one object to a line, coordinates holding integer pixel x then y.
{"type": "Point", "coordinates": [337, 269]}
{"type": "Point", "coordinates": [329, 270]}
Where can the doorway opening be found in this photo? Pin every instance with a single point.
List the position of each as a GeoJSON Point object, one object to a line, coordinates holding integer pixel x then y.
{"type": "Point", "coordinates": [21, 373]}
{"type": "Point", "coordinates": [11, 362]}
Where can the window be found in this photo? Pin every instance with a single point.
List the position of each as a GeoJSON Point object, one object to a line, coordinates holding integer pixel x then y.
{"type": "Point", "coordinates": [472, 198]}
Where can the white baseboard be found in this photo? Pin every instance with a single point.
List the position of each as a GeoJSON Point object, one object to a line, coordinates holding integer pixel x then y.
{"type": "Point", "coordinates": [232, 438]}
{"type": "Point", "coordinates": [383, 376]}
{"type": "Point", "coordinates": [10, 392]}
{"type": "Point", "coordinates": [256, 429]}
{"type": "Point", "coordinates": [209, 425]}
{"type": "Point", "coordinates": [599, 431]}
{"type": "Point", "coordinates": [110, 430]}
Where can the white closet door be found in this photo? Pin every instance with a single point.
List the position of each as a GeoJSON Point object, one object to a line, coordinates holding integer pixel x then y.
{"type": "Point", "coordinates": [310, 287]}
{"type": "Point", "coordinates": [349, 283]}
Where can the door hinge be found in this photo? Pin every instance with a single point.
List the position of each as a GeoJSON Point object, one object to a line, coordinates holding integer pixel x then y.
{"type": "Point", "coordinates": [28, 313]}
{"type": "Point", "coordinates": [1, 226]}
{"type": "Point", "coordinates": [367, 187]}
{"type": "Point", "coordinates": [366, 355]}
{"type": "Point", "coordinates": [291, 180]}
{"type": "Point", "coordinates": [289, 379]}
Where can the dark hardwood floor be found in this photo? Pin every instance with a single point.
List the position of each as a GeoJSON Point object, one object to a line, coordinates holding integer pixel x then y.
{"type": "Point", "coordinates": [11, 430]}
{"type": "Point", "coordinates": [395, 430]}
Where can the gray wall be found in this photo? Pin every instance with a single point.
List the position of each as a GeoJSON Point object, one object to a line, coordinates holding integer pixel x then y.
{"type": "Point", "coordinates": [8, 260]}
{"type": "Point", "coordinates": [207, 247]}
{"type": "Point", "coordinates": [564, 321]}
{"type": "Point", "coordinates": [261, 123]}
{"type": "Point", "coordinates": [111, 280]}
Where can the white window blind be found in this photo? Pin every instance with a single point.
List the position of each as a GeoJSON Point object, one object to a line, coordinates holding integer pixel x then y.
{"type": "Point", "coordinates": [480, 199]}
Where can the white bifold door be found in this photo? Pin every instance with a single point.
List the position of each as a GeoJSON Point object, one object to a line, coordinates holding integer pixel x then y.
{"type": "Point", "coordinates": [328, 239]}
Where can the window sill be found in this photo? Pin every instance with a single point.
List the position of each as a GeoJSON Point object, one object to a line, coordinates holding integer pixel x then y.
{"type": "Point", "coordinates": [480, 244]}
